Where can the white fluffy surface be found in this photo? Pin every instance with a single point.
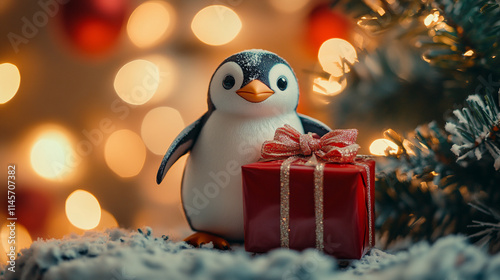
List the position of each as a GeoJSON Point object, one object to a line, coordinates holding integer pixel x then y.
{"type": "Point", "coordinates": [124, 255]}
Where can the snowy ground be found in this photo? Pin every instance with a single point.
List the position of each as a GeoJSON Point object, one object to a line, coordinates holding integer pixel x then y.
{"type": "Point", "coordinates": [124, 255]}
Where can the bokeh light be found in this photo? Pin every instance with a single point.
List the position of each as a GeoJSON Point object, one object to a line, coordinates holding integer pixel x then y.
{"type": "Point", "coordinates": [52, 155]}
{"type": "Point", "coordinates": [137, 81]}
{"type": "Point", "coordinates": [330, 87]}
{"type": "Point", "coordinates": [160, 127]}
{"type": "Point", "coordinates": [107, 221]}
{"type": "Point", "coordinates": [379, 146]}
{"type": "Point", "coordinates": [83, 210]}
{"type": "Point", "coordinates": [91, 27]}
{"type": "Point", "coordinates": [10, 79]}
{"type": "Point", "coordinates": [216, 25]}
{"type": "Point", "coordinates": [289, 6]}
{"type": "Point", "coordinates": [432, 18]}
{"type": "Point", "coordinates": [125, 153]}
{"type": "Point", "coordinates": [150, 23]}
{"type": "Point", "coordinates": [169, 75]}
{"type": "Point", "coordinates": [333, 54]}
{"type": "Point", "coordinates": [21, 236]}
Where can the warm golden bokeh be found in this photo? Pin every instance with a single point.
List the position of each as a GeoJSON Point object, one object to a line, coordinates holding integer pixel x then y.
{"type": "Point", "coordinates": [159, 128]}
{"type": "Point", "coordinates": [107, 221]}
{"type": "Point", "coordinates": [216, 25]}
{"type": "Point", "coordinates": [379, 146]}
{"type": "Point", "coordinates": [329, 87]}
{"type": "Point", "coordinates": [125, 153]}
{"type": "Point", "coordinates": [20, 239]}
{"type": "Point", "coordinates": [169, 77]}
{"type": "Point", "coordinates": [10, 79]}
{"type": "Point", "coordinates": [333, 54]}
{"type": "Point", "coordinates": [150, 23]}
{"type": "Point", "coordinates": [52, 155]}
{"type": "Point", "coordinates": [137, 81]}
{"type": "Point", "coordinates": [83, 209]}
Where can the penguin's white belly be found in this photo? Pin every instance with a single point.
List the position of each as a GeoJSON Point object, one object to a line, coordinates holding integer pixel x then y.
{"type": "Point", "coordinates": [211, 188]}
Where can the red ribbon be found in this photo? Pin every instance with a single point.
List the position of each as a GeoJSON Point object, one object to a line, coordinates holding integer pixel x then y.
{"type": "Point", "coordinates": [336, 146]}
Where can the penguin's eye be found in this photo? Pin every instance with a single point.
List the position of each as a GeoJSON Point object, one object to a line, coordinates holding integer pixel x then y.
{"type": "Point", "coordinates": [228, 82]}
{"type": "Point", "coordinates": [282, 83]}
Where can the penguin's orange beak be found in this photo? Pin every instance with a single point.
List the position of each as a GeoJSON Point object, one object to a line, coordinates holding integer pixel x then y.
{"type": "Point", "coordinates": [255, 92]}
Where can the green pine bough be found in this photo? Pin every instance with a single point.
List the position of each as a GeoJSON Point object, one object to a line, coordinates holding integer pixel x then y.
{"type": "Point", "coordinates": [439, 181]}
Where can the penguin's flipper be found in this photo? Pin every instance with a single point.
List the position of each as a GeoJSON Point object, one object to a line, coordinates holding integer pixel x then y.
{"type": "Point", "coordinates": [313, 125]}
{"type": "Point", "coordinates": [181, 145]}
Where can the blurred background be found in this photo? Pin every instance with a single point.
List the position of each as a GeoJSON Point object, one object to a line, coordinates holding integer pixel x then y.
{"type": "Point", "coordinates": [92, 92]}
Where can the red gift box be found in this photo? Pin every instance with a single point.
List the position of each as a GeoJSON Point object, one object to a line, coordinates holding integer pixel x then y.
{"type": "Point", "coordinates": [348, 207]}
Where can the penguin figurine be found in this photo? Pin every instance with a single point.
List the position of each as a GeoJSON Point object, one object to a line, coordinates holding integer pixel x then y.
{"type": "Point", "coordinates": [251, 94]}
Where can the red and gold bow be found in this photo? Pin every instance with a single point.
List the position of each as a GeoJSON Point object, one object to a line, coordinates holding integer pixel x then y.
{"type": "Point", "coordinates": [336, 146]}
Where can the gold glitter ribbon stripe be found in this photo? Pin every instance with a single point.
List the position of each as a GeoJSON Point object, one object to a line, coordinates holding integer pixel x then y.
{"type": "Point", "coordinates": [285, 201]}
{"type": "Point", "coordinates": [318, 204]}
{"type": "Point", "coordinates": [370, 214]}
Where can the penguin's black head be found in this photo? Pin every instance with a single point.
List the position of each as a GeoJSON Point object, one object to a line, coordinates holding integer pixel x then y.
{"type": "Point", "coordinates": [255, 82]}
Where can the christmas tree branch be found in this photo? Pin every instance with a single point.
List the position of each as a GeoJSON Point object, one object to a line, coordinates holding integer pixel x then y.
{"type": "Point", "coordinates": [475, 130]}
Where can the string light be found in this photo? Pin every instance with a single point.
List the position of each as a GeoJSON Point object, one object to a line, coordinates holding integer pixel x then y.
{"type": "Point", "coordinates": [150, 23]}
{"type": "Point", "coordinates": [216, 25]}
{"type": "Point", "coordinates": [469, 53]}
{"type": "Point", "coordinates": [432, 18]}
{"type": "Point", "coordinates": [330, 87]}
{"type": "Point", "coordinates": [379, 146]}
{"type": "Point", "coordinates": [83, 210]}
{"type": "Point", "coordinates": [10, 79]}
{"type": "Point", "coordinates": [137, 81]}
{"type": "Point", "coordinates": [125, 153]}
{"type": "Point", "coordinates": [333, 54]}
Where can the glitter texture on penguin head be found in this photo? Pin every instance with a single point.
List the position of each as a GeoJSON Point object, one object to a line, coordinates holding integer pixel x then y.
{"type": "Point", "coordinates": [254, 83]}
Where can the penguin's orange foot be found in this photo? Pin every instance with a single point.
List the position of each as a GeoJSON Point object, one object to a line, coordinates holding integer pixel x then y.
{"type": "Point", "coordinates": [199, 238]}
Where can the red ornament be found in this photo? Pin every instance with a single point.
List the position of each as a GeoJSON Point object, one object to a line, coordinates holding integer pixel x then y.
{"type": "Point", "coordinates": [325, 23]}
{"type": "Point", "coordinates": [32, 209]}
{"type": "Point", "coordinates": [93, 26]}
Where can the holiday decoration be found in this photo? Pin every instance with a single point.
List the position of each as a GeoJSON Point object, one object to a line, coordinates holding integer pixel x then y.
{"type": "Point", "coordinates": [93, 26]}
{"type": "Point", "coordinates": [419, 80]}
{"type": "Point", "coordinates": [319, 196]}
{"type": "Point", "coordinates": [438, 182]}
{"type": "Point", "coordinates": [33, 208]}
{"type": "Point", "coordinates": [325, 23]}
{"type": "Point", "coordinates": [251, 94]}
